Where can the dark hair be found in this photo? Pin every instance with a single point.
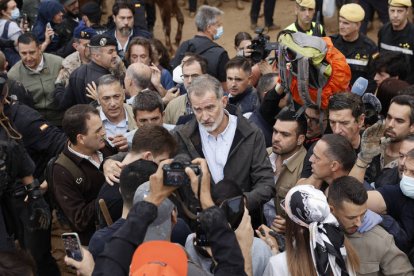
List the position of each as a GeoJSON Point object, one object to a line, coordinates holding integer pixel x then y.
{"type": "Point", "coordinates": [393, 63]}
{"type": "Point", "coordinates": [340, 149]}
{"type": "Point", "coordinates": [155, 139]}
{"type": "Point", "coordinates": [199, 59]}
{"type": "Point", "coordinates": [164, 59]}
{"type": "Point", "coordinates": [3, 6]}
{"type": "Point", "coordinates": [240, 63]}
{"type": "Point", "coordinates": [346, 100]}
{"type": "Point", "coordinates": [405, 100]}
{"type": "Point", "coordinates": [132, 176]}
{"type": "Point", "coordinates": [138, 41]}
{"type": "Point", "coordinates": [265, 83]}
{"type": "Point", "coordinates": [387, 90]}
{"type": "Point", "coordinates": [287, 115]}
{"type": "Point", "coordinates": [74, 120]}
{"type": "Point", "coordinates": [107, 79]}
{"type": "Point", "coordinates": [225, 189]}
{"type": "Point", "coordinates": [122, 5]}
{"type": "Point", "coordinates": [240, 36]}
{"type": "Point", "coordinates": [347, 188]}
{"type": "Point", "coordinates": [17, 263]}
{"type": "Point", "coordinates": [27, 38]}
{"type": "Point", "coordinates": [147, 100]}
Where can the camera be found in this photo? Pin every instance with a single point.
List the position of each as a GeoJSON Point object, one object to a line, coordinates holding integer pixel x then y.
{"type": "Point", "coordinates": [261, 46]}
{"type": "Point", "coordinates": [174, 173]}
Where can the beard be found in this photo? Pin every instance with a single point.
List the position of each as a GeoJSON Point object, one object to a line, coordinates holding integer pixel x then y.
{"type": "Point", "coordinates": [215, 125]}
{"type": "Point", "coordinates": [125, 31]}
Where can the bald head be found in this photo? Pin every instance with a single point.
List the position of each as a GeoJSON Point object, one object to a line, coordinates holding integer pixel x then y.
{"type": "Point", "coordinates": [137, 78]}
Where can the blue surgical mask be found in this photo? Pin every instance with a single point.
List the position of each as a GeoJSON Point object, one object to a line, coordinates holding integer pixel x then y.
{"type": "Point", "coordinates": [407, 186]}
{"type": "Point", "coordinates": [15, 14]}
{"type": "Point", "coordinates": [220, 31]}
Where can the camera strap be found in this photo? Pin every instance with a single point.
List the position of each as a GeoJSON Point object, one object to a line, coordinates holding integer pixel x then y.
{"type": "Point", "coordinates": [187, 211]}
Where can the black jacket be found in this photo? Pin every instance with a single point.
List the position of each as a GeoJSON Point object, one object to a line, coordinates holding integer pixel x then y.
{"type": "Point", "coordinates": [118, 252]}
{"type": "Point", "coordinates": [75, 92]}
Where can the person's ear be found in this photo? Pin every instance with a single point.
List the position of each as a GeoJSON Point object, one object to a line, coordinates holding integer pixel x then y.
{"type": "Point", "coordinates": [224, 100]}
{"type": "Point", "coordinates": [301, 139]}
{"type": "Point", "coordinates": [335, 166]}
{"type": "Point", "coordinates": [147, 156]}
{"type": "Point", "coordinates": [361, 120]}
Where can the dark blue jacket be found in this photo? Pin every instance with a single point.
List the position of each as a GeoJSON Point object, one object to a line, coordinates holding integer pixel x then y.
{"type": "Point", "coordinates": [47, 10]}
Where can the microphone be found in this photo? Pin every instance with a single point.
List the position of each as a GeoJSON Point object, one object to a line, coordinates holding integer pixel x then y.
{"type": "Point", "coordinates": [360, 86]}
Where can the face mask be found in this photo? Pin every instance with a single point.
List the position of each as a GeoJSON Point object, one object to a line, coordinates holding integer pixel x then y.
{"type": "Point", "coordinates": [177, 73]}
{"type": "Point", "coordinates": [15, 14]}
{"type": "Point", "coordinates": [220, 31]}
{"type": "Point", "coordinates": [407, 186]}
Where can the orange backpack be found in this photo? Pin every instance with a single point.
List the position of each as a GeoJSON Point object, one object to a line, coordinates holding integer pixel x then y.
{"type": "Point", "coordinates": [311, 69]}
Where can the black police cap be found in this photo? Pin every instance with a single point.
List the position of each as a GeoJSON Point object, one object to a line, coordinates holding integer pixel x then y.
{"type": "Point", "coordinates": [102, 40]}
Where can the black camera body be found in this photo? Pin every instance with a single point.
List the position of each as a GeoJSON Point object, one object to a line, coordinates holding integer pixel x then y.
{"type": "Point", "coordinates": [261, 46]}
{"type": "Point", "coordinates": [174, 173]}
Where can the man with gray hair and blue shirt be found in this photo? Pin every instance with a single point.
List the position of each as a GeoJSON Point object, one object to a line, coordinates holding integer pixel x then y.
{"type": "Point", "coordinates": [209, 25]}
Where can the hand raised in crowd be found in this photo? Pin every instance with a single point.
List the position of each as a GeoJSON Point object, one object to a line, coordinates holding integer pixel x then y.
{"type": "Point", "coordinates": [171, 94]}
{"type": "Point", "coordinates": [120, 142]}
{"type": "Point", "coordinates": [263, 233]}
{"type": "Point", "coordinates": [279, 224]}
{"type": "Point", "coordinates": [155, 75]}
{"type": "Point", "coordinates": [205, 193]}
{"type": "Point", "coordinates": [159, 191]}
{"type": "Point", "coordinates": [372, 142]}
{"type": "Point", "coordinates": [84, 267]}
{"type": "Point", "coordinates": [112, 170]}
{"type": "Point", "coordinates": [265, 67]}
{"type": "Point", "coordinates": [244, 234]}
{"type": "Point", "coordinates": [92, 91]}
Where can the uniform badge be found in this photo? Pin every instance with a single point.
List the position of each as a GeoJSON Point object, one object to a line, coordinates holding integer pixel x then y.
{"type": "Point", "coordinates": [102, 42]}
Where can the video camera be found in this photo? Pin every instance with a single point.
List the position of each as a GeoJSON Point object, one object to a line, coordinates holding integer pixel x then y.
{"type": "Point", "coordinates": [174, 173]}
{"type": "Point", "coordinates": [261, 46]}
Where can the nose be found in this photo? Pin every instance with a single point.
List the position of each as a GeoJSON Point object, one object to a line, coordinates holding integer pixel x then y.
{"type": "Point", "coordinates": [336, 128]}
{"type": "Point", "coordinates": [312, 158]}
{"type": "Point", "coordinates": [358, 221]}
{"type": "Point", "coordinates": [204, 116]}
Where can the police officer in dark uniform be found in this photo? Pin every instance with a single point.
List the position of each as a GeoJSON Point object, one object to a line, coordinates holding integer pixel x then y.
{"type": "Point", "coordinates": [355, 46]}
{"type": "Point", "coordinates": [305, 11]}
{"type": "Point", "coordinates": [18, 218]}
{"type": "Point", "coordinates": [398, 34]}
{"type": "Point", "coordinates": [103, 57]}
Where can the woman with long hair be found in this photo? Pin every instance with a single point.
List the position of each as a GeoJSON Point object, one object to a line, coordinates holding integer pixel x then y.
{"type": "Point", "coordinates": [315, 245]}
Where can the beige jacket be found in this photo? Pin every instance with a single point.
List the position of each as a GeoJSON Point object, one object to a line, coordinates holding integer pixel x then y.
{"type": "Point", "coordinates": [378, 254]}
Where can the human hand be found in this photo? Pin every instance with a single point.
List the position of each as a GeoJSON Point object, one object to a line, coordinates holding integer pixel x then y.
{"type": "Point", "coordinates": [371, 219]}
{"type": "Point", "coordinates": [155, 75]}
{"type": "Point", "coordinates": [171, 94]}
{"type": "Point", "coordinates": [244, 232]}
{"type": "Point", "coordinates": [112, 170]}
{"type": "Point", "coordinates": [263, 233]}
{"type": "Point", "coordinates": [49, 34]}
{"type": "Point", "coordinates": [279, 224]}
{"type": "Point", "coordinates": [120, 142]}
{"type": "Point", "coordinates": [84, 267]}
{"type": "Point", "coordinates": [372, 142]}
{"type": "Point", "coordinates": [159, 191]}
{"type": "Point", "coordinates": [39, 211]}
{"type": "Point", "coordinates": [205, 193]}
{"type": "Point", "coordinates": [92, 91]}
{"type": "Point", "coordinates": [265, 67]}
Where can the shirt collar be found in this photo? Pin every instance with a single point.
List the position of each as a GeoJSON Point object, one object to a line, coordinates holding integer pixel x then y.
{"type": "Point", "coordinates": [87, 157]}
{"type": "Point", "coordinates": [105, 119]}
{"type": "Point", "coordinates": [39, 67]}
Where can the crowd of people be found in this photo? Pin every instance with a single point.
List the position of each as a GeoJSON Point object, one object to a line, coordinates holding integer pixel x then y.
{"type": "Point", "coordinates": [291, 158]}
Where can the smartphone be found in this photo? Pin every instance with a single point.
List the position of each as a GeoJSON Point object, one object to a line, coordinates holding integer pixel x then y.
{"type": "Point", "coordinates": [200, 237]}
{"type": "Point", "coordinates": [72, 246]}
{"type": "Point", "coordinates": [234, 210]}
{"type": "Point", "coordinates": [48, 26]}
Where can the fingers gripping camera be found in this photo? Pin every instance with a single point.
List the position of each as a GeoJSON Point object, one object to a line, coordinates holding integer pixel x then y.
{"type": "Point", "coordinates": [174, 173]}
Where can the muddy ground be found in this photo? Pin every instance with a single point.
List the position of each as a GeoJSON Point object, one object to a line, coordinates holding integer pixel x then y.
{"type": "Point", "coordinates": [236, 20]}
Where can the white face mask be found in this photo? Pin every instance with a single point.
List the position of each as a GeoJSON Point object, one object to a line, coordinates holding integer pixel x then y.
{"type": "Point", "coordinates": [177, 73]}
{"type": "Point", "coordinates": [220, 32]}
{"type": "Point", "coordinates": [407, 186]}
{"type": "Point", "coordinates": [15, 14]}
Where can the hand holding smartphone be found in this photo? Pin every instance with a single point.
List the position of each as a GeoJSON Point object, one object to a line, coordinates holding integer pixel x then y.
{"type": "Point", "coordinates": [72, 246]}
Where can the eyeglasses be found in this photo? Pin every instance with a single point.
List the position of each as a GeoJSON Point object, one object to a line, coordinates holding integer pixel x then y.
{"type": "Point", "coordinates": [313, 120]}
{"type": "Point", "coordinates": [186, 77]}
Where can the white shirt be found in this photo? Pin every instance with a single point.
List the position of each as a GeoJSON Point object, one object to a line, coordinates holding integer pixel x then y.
{"type": "Point", "coordinates": [216, 150]}
{"type": "Point", "coordinates": [87, 157]}
{"type": "Point", "coordinates": [114, 129]}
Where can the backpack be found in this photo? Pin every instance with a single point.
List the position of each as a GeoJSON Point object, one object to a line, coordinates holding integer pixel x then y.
{"type": "Point", "coordinates": [10, 53]}
{"type": "Point", "coordinates": [311, 69]}
{"type": "Point", "coordinates": [74, 170]}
